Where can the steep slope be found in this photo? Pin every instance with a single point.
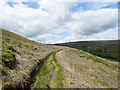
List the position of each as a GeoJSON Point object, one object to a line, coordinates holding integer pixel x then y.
{"type": "Point", "coordinates": [20, 58]}
{"type": "Point", "coordinates": [105, 49]}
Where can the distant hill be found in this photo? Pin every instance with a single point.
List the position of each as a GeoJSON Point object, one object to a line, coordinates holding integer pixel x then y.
{"type": "Point", "coordinates": [105, 49]}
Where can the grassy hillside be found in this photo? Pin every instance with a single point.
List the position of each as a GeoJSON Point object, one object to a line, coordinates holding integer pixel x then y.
{"type": "Point", "coordinates": [73, 68]}
{"type": "Point", "coordinates": [105, 49]}
{"type": "Point", "coordinates": [19, 58]}
{"type": "Point", "coordinates": [27, 64]}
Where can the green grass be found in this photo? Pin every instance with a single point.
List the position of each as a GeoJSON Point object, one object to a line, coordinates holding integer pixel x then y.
{"type": "Point", "coordinates": [70, 64]}
{"type": "Point", "coordinates": [8, 57]}
{"type": "Point", "coordinates": [95, 59]}
{"type": "Point", "coordinates": [94, 70]}
{"type": "Point", "coordinates": [17, 48]}
{"type": "Point", "coordinates": [19, 44]}
{"type": "Point", "coordinates": [3, 70]}
{"type": "Point", "coordinates": [29, 53]}
{"type": "Point", "coordinates": [26, 45]}
{"type": "Point", "coordinates": [96, 48]}
{"type": "Point", "coordinates": [6, 39]}
{"type": "Point", "coordinates": [10, 48]}
{"type": "Point", "coordinates": [9, 83]}
{"type": "Point", "coordinates": [59, 75]}
{"type": "Point", "coordinates": [43, 79]}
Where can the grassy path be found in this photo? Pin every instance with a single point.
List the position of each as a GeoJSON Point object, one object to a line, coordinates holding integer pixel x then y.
{"type": "Point", "coordinates": [82, 69]}
{"type": "Point", "coordinates": [59, 74]}
{"type": "Point", "coordinates": [43, 78]}
{"type": "Point", "coordinates": [50, 68]}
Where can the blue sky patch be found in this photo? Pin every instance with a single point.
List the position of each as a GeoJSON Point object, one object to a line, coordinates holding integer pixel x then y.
{"type": "Point", "coordinates": [84, 6]}
{"type": "Point", "coordinates": [66, 33]}
{"type": "Point", "coordinates": [33, 5]}
{"type": "Point", "coordinates": [113, 6]}
{"type": "Point", "coordinates": [45, 10]}
{"type": "Point", "coordinates": [11, 4]}
{"type": "Point", "coordinates": [81, 4]}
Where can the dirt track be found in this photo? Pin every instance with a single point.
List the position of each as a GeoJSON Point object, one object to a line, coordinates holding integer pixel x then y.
{"type": "Point", "coordinates": [73, 79]}
{"type": "Point", "coordinates": [81, 71]}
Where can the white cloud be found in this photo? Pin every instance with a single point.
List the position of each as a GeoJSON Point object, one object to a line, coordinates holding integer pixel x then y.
{"type": "Point", "coordinates": [91, 22]}
{"type": "Point", "coordinates": [41, 25]}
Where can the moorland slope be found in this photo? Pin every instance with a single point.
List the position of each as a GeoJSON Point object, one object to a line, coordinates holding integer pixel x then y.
{"type": "Point", "coordinates": [28, 64]}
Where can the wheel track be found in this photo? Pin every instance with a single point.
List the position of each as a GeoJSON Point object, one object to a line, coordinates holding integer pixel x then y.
{"type": "Point", "coordinates": [56, 68]}
{"type": "Point", "coordinates": [74, 78]}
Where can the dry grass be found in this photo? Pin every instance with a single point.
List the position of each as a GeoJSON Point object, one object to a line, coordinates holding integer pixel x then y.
{"type": "Point", "coordinates": [82, 69]}
{"type": "Point", "coordinates": [96, 71]}
{"type": "Point", "coordinates": [27, 54]}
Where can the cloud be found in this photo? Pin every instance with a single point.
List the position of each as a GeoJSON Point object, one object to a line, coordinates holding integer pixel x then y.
{"type": "Point", "coordinates": [46, 22]}
{"type": "Point", "coordinates": [91, 22]}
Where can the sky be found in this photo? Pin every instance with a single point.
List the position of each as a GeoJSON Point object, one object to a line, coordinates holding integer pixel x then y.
{"type": "Point", "coordinates": [51, 22]}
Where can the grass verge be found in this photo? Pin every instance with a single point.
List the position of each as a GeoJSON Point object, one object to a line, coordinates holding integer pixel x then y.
{"type": "Point", "coordinates": [59, 74]}
{"type": "Point", "coordinates": [43, 79]}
